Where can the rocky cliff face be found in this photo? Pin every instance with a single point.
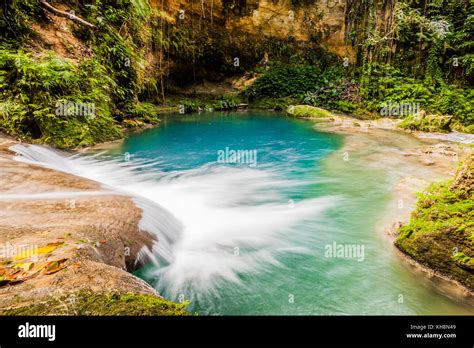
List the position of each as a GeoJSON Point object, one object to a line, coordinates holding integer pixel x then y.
{"type": "Point", "coordinates": [254, 30]}
{"type": "Point", "coordinates": [321, 21]}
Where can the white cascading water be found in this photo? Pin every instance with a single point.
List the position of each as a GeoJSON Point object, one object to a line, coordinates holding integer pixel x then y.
{"type": "Point", "coordinates": [213, 223]}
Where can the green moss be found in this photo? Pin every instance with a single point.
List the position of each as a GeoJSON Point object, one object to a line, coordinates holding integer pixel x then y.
{"type": "Point", "coordinates": [130, 304]}
{"type": "Point", "coordinates": [459, 127]}
{"type": "Point", "coordinates": [441, 232]}
{"type": "Point", "coordinates": [464, 261]}
{"type": "Point", "coordinates": [90, 304]}
{"type": "Point", "coordinates": [308, 111]}
{"type": "Point", "coordinates": [430, 123]}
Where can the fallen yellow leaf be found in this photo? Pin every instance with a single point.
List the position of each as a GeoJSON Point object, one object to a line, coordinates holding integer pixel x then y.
{"type": "Point", "coordinates": [34, 252]}
{"type": "Point", "coordinates": [26, 266]}
{"type": "Point", "coordinates": [54, 266]}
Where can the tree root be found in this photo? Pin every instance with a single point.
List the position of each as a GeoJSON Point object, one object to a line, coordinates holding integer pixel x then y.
{"type": "Point", "coordinates": [60, 13]}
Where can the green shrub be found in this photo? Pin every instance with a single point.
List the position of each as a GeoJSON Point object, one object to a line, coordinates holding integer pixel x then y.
{"type": "Point", "coordinates": [108, 303]}
{"type": "Point", "coordinates": [34, 88]}
{"type": "Point", "coordinates": [226, 102]}
{"type": "Point", "coordinates": [143, 111]}
{"type": "Point", "coordinates": [269, 103]}
{"type": "Point", "coordinates": [442, 100]}
{"type": "Point", "coordinates": [455, 101]}
{"type": "Point", "coordinates": [14, 16]}
{"type": "Point", "coordinates": [296, 81]}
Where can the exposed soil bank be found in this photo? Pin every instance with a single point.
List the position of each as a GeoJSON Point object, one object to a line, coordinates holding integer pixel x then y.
{"type": "Point", "coordinates": [58, 250]}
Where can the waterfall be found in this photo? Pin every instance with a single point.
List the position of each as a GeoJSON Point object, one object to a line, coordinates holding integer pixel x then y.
{"type": "Point", "coordinates": [213, 223]}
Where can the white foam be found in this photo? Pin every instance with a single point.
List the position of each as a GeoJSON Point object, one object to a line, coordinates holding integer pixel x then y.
{"type": "Point", "coordinates": [213, 223]}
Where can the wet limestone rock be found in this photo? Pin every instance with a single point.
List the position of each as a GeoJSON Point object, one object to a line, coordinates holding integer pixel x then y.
{"type": "Point", "coordinates": [71, 253]}
{"type": "Point", "coordinates": [307, 111]}
{"type": "Point", "coordinates": [440, 234]}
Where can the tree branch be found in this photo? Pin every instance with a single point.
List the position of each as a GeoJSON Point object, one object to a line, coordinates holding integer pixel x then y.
{"type": "Point", "coordinates": [60, 13]}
